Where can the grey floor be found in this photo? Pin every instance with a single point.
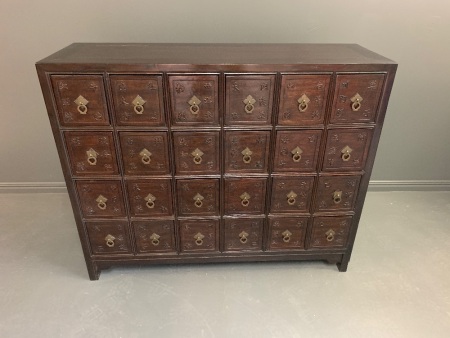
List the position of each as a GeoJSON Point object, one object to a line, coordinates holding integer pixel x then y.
{"type": "Point", "coordinates": [397, 284]}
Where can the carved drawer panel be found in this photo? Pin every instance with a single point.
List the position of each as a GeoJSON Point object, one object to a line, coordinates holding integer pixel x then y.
{"type": "Point", "coordinates": [198, 197]}
{"type": "Point", "coordinates": [356, 97]}
{"type": "Point", "coordinates": [243, 234]}
{"type": "Point", "coordinates": [155, 236]}
{"type": "Point", "coordinates": [91, 153]}
{"type": "Point", "coordinates": [303, 99]}
{"type": "Point", "coordinates": [197, 152]}
{"type": "Point", "coordinates": [297, 150]}
{"type": "Point", "coordinates": [149, 198]}
{"type": "Point", "coordinates": [330, 231]}
{"type": "Point", "coordinates": [291, 195]}
{"type": "Point", "coordinates": [138, 100]}
{"type": "Point", "coordinates": [246, 151]}
{"type": "Point", "coordinates": [194, 99]}
{"type": "Point", "coordinates": [245, 195]}
{"type": "Point", "coordinates": [109, 237]}
{"type": "Point", "coordinates": [80, 100]}
{"type": "Point", "coordinates": [336, 193]}
{"type": "Point", "coordinates": [249, 99]}
{"type": "Point", "coordinates": [347, 149]}
{"type": "Point", "coordinates": [199, 235]}
{"type": "Point", "coordinates": [145, 153]}
{"type": "Point", "coordinates": [101, 198]}
{"type": "Point", "coordinates": [287, 233]}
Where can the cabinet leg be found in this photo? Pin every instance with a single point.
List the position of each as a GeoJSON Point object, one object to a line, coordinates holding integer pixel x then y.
{"type": "Point", "coordinates": [93, 270]}
{"type": "Point", "coordinates": [342, 265]}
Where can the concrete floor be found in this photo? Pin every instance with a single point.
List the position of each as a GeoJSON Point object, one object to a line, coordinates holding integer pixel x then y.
{"type": "Point", "coordinates": [397, 284]}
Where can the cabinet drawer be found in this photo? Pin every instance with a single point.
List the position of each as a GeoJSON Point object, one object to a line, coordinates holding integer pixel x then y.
{"type": "Point", "coordinates": [245, 195]}
{"type": "Point", "coordinates": [336, 193]}
{"type": "Point", "coordinates": [194, 99]}
{"type": "Point", "coordinates": [80, 100]}
{"type": "Point", "coordinates": [199, 235]}
{"type": "Point", "coordinates": [356, 98]}
{"type": "Point", "coordinates": [347, 149]}
{"type": "Point", "coordinates": [246, 151]}
{"type": "Point", "coordinates": [144, 153]}
{"type": "Point", "coordinates": [303, 99]}
{"type": "Point", "coordinates": [91, 153]}
{"type": "Point", "coordinates": [243, 234]}
{"type": "Point", "coordinates": [138, 100]}
{"type": "Point", "coordinates": [198, 197]}
{"type": "Point", "coordinates": [290, 195]}
{"type": "Point", "coordinates": [197, 152]}
{"type": "Point", "coordinates": [109, 237]}
{"type": "Point", "coordinates": [249, 99]}
{"type": "Point", "coordinates": [297, 150]}
{"type": "Point", "coordinates": [155, 236]}
{"type": "Point", "coordinates": [101, 198]}
{"type": "Point", "coordinates": [149, 198]}
{"type": "Point", "coordinates": [330, 232]}
{"type": "Point", "coordinates": [287, 233]}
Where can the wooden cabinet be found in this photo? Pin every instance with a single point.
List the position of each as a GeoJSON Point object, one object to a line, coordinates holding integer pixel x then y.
{"type": "Point", "coordinates": [192, 153]}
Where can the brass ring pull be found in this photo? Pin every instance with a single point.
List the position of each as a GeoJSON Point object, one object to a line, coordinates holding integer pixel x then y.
{"type": "Point", "coordinates": [245, 197]}
{"type": "Point", "coordinates": [296, 154]}
{"type": "Point", "coordinates": [92, 156]}
{"type": "Point", "coordinates": [155, 239]}
{"type": "Point", "coordinates": [246, 155]}
{"type": "Point", "coordinates": [303, 103]}
{"type": "Point", "coordinates": [356, 102]}
{"type": "Point", "coordinates": [194, 102]}
{"type": "Point", "coordinates": [81, 103]}
{"type": "Point", "coordinates": [101, 202]}
{"type": "Point", "coordinates": [110, 241]}
{"type": "Point", "coordinates": [330, 235]}
{"type": "Point", "coordinates": [249, 104]}
{"type": "Point", "coordinates": [198, 200]}
{"type": "Point", "coordinates": [199, 238]}
{"type": "Point", "coordinates": [291, 197]}
{"type": "Point", "coordinates": [138, 105]}
{"type": "Point", "coordinates": [197, 154]}
{"type": "Point", "coordinates": [286, 235]}
{"type": "Point", "coordinates": [150, 201]}
{"type": "Point", "coordinates": [346, 153]}
{"type": "Point", "coordinates": [337, 196]}
{"type": "Point", "coordinates": [243, 237]}
{"type": "Point", "coordinates": [145, 156]}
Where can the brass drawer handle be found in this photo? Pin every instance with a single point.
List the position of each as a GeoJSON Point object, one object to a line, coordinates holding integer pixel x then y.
{"type": "Point", "coordinates": [249, 104]}
{"type": "Point", "coordinates": [296, 154]}
{"type": "Point", "coordinates": [101, 202]}
{"type": "Point", "coordinates": [286, 235]}
{"type": "Point", "coordinates": [110, 241]}
{"type": "Point", "coordinates": [291, 197]}
{"type": "Point", "coordinates": [145, 156]}
{"type": "Point", "coordinates": [197, 154]}
{"type": "Point", "coordinates": [337, 196]}
{"type": "Point", "coordinates": [243, 237]}
{"type": "Point", "coordinates": [92, 156]}
{"type": "Point", "coordinates": [193, 103]}
{"type": "Point", "coordinates": [198, 200]}
{"type": "Point", "coordinates": [346, 153]}
{"type": "Point", "coordinates": [245, 197]}
{"type": "Point", "coordinates": [330, 235]}
{"type": "Point", "coordinates": [303, 103]}
{"type": "Point", "coordinates": [155, 239]}
{"type": "Point", "coordinates": [138, 105]}
{"type": "Point", "coordinates": [81, 103]}
{"type": "Point", "coordinates": [356, 102]}
{"type": "Point", "coordinates": [199, 238]}
{"type": "Point", "coordinates": [150, 201]}
{"type": "Point", "coordinates": [246, 155]}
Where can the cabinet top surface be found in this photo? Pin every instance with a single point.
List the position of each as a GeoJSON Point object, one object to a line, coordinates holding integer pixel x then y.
{"type": "Point", "coordinates": [208, 54]}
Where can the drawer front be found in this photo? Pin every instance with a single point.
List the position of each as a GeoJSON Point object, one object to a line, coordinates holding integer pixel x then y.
{"type": "Point", "coordinates": [138, 100]}
{"type": "Point", "coordinates": [197, 152]}
{"type": "Point", "coordinates": [144, 153]}
{"type": "Point", "coordinates": [80, 100]}
{"type": "Point", "coordinates": [245, 195]}
{"type": "Point", "coordinates": [155, 236]}
{"type": "Point", "coordinates": [199, 236]}
{"type": "Point", "coordinates": [101, 198]}
{"type": "Point", "coordinates": [194, 99]}
{"type": "Point", "coordinates": [246, 151]}
{"type": "Point", "coordinates": [287, 233]}
{"type": "Point", "coordinates": [198, 197]}
{"type": "Point", "coordinates": [303, 99]}
{"type": "Point", "coordinates": [330, 232]}
{"type": "Point", "coordinates": [356, 98]}
{"type": "Point", "coordinates": [336, 193]}
{"type": "Point", "coordinates": [109, 237]}
{"type": "Point", "coordinates": [149, 198]}
{"type": "Point", "coordinates": [347, 149]}
{"type": "Point", "coordinates": [291, 195]}
{"type": "Point", "coordinates": [243, 234]}
{"type": "Point", "coordinates": [297, 150]}
{"type": "Point", "coordinates": [249, 99]}
{"type": "Point", "coordinates": [91, 153]}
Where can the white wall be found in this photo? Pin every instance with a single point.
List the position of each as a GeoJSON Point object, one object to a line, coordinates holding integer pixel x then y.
{"type": "Point", "coordinates": [416, 34]}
